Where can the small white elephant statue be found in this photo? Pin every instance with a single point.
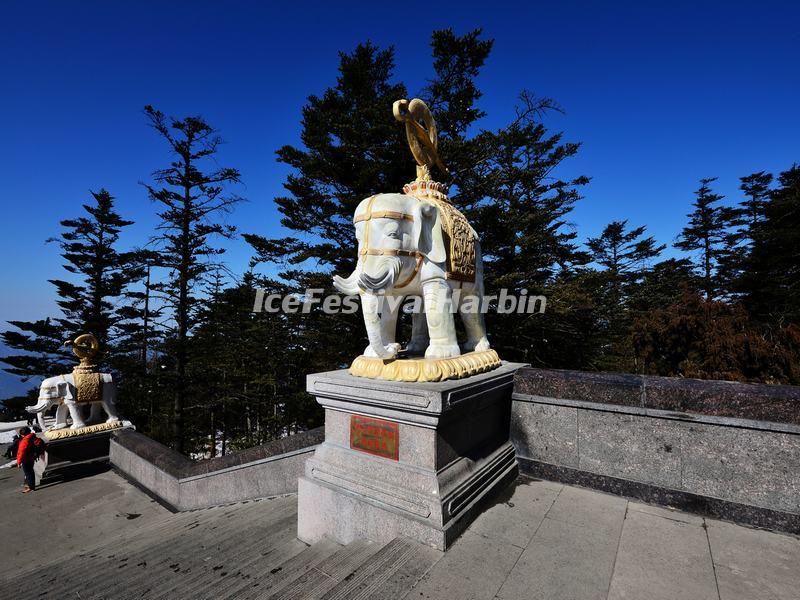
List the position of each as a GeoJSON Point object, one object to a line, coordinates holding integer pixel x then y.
{"type": "Point", "coordinates": [60, 391]}
{"type": "Point", "coordinates": [402, 252]}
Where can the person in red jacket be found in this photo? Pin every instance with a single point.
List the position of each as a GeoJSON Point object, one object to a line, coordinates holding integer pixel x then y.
{"type": "Point", "coordinates": [26, 455]}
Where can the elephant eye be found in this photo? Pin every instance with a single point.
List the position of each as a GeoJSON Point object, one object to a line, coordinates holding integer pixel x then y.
{"type": "Point", "coordinates": [391, 228]}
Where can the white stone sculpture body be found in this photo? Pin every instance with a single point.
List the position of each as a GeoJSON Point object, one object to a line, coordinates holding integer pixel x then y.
{"type": "Point", "coordinates": [402, 252]}
{"type": "Point", "coordinates": [60, 391]}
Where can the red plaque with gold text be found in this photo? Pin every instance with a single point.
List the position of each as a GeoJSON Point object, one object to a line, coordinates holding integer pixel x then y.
{"type": "Point", "coordinates": [375, 436]}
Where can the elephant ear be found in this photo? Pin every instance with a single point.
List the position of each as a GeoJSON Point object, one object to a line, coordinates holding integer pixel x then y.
{"type": "Point", "coordinates": [65, 390]}
{"type": "Point", "coordinates": [427, 232]}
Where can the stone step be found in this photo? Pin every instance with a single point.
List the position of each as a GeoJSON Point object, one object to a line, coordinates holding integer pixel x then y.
{"type": "Point", "coordinates": [170, 524]}
{"type": "Point", "coordinates": [390, 573]}
{"type": "Point", "coordinates": [276, 579]}
{"type": "Point", "coordinates": [144, 540]}
{"type": "Point", "coordinates": [257, 567]}
{"type": "Point", "coordinates": [153, 554]}
{"type": "Point", "coordinates": [199, 573]}
{"type": "Point", "coordinates": [120, 567]}
{"type": "Point", "coordinates": [314, 583]}
{"type": "Point", "coordinates": [195, 560]}
{"type": "Point", "coordinates": [242, 551]}
{"type": "Point", "coordinates": [167, 522]}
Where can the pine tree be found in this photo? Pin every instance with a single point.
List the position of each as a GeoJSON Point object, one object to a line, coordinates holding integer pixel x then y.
{"type": "Point", "coordinates": [756, 190]}
{"type": "Point", "coordinates": [352, 148]}
{"type": "Point", "coordinates": [41, 344]}
{"type": "Point", "coordinates": [92, 301]}
{"type": "Point", "coordinates": [246, 371]}
{"type": "Point", "coordinates": [452, 95]}
{"type": "Point", "coordinates": [773, 266]}
{"type": "Point", "coordinates": [625, 257]}
{"type": "Point", "coordinates": [139, 348]}
{"type": "Point", "coordinates": [514, 198]}
{"type": "Point", "coordinates": [661, 285]}
{"type": "Point", "coordinates": [734, 276]}
{"type": "Point", "coordinates": [88, 246]}
{"type": "Point", "coordinates": [190, 199]}
{"type": "Point", "coordinates": [706, 235]}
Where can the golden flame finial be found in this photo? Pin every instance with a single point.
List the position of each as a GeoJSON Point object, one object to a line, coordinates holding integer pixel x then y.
{"type": "Point", "coordinates": [423, 139]}
{"type": "Point", "coordinates": [85, 347]}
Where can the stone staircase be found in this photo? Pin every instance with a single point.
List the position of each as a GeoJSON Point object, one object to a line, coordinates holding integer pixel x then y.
{"type": "Point", "coordinates": [246, 550]}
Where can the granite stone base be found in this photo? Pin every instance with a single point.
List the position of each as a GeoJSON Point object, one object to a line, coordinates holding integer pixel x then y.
{"type": "Point", "coordinates": [412, 459]}
{"type": "Point", "coordinates": [72, 457]}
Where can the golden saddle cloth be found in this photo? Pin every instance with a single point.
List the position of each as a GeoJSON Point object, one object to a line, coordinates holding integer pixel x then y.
{"type": "Point", "coordinates": [460, 237]}
{"type": "Point", "coordinates": [88, 385]}
{"type": "Point", "coordinates": [460, 243]}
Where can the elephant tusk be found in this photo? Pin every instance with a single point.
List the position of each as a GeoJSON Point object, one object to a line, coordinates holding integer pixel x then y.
{"type": "Point", "coordinates": [39, 406]}
{"type": "Point", "coordinates": [347, 285]}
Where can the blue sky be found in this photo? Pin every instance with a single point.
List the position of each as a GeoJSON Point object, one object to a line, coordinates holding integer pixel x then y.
{"type": "Point", "coordinates": [660, 95]}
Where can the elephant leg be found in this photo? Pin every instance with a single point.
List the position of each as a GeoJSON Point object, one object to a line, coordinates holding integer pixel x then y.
{"type": "Point", "coordinates": [419, 333]}
{"type": "Point", "coordinates": [110, 401]}
{"type": "Point", "coordinates": [61, 416]}
{"type": "Point", "coordinates": [388, 333]}
{"type": "Point", "coordinates": [474, 324]}
{"type": "Point", "coordinates": [40, 419]}
{"type": "Point", "coordinates": [77, 415]}
{"type": "Point", "coordinates": [377, 319]}
{"type": "Point", "coordinates": [441, 325]}
{"type": "Point", "coordinates": [94, 414]}
{"type": "Point", "coordinates": [389, 319]}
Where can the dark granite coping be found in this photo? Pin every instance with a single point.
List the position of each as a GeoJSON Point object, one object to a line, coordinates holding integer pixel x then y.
{"type": "Point", "coordinates": [752, 401]}
{"type": "Point", "coordinates": [662, 414]}
{"type": "Point", "coordinates": [180, 467]}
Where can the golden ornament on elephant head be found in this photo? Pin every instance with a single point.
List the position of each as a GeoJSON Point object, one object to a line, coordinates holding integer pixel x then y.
{"type": "Point", "coordinates": [88, 380]}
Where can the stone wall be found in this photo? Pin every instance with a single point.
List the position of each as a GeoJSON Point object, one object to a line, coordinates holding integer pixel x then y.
{"type": "Point", "coordinates": [183, 484]}
{"type": "Point", "coordinates": [728, 450]}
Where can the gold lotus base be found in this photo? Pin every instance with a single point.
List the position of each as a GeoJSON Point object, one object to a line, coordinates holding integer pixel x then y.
{"type": "Point", "coordinates": [425, 369]}
{"type": "Point", "coordinates": [58, 434]}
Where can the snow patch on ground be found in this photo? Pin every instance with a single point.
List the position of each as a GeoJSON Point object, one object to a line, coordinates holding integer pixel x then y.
{"type": "Point", "coordinates": [7, 436]}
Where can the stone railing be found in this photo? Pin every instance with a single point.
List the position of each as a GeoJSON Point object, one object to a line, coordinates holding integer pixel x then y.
{"type": "Point", "coordinates": [727, 450]}
{"type": "Point", "coordinates": [183, 484]}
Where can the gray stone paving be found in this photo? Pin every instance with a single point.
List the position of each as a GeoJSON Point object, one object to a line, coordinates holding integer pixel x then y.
{"type": "Point", "coordinates": [540, 540]}
{"type": "Point", "coordinates": [548, 541]}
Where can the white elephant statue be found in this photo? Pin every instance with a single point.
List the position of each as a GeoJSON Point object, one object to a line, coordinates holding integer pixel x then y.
{"type": "Point", "coordinates": [403, 251]}
{"type": "Point", "coordinates": [60, 391]}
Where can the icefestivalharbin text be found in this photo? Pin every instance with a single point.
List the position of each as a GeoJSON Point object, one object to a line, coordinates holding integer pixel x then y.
{"type": "Point", "coordinates": [503, 303]}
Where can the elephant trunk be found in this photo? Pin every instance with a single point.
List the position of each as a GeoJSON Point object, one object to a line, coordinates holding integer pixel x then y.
{"type": "Point", "coordinates": [372, 321]}
{"type": "Point", "coordinates": [388, 270]}
{"type": "Point", "coordinates": [39, 407]}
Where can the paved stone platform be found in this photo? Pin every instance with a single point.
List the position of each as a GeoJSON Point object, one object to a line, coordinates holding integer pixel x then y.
{"type": "Point", "coordinates": [100, 537]}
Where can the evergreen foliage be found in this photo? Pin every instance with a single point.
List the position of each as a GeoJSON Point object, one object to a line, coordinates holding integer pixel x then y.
{"type": "Point", "coordinates": [625, 257]}
{"type": "Point", "coordinates": [93, 301]}
{"type": "Point", "coordinates": [772, 268]}
{"type": "Point", "coordinates": [705, 235]}
{"type": "Point", "coordinates": [190, 200]}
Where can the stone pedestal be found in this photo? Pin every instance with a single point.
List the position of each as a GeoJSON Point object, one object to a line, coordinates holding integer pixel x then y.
{"type": "Point", "coordinates": [77, 453]}
{"type": "Point", "coordinates": [412, 459]}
